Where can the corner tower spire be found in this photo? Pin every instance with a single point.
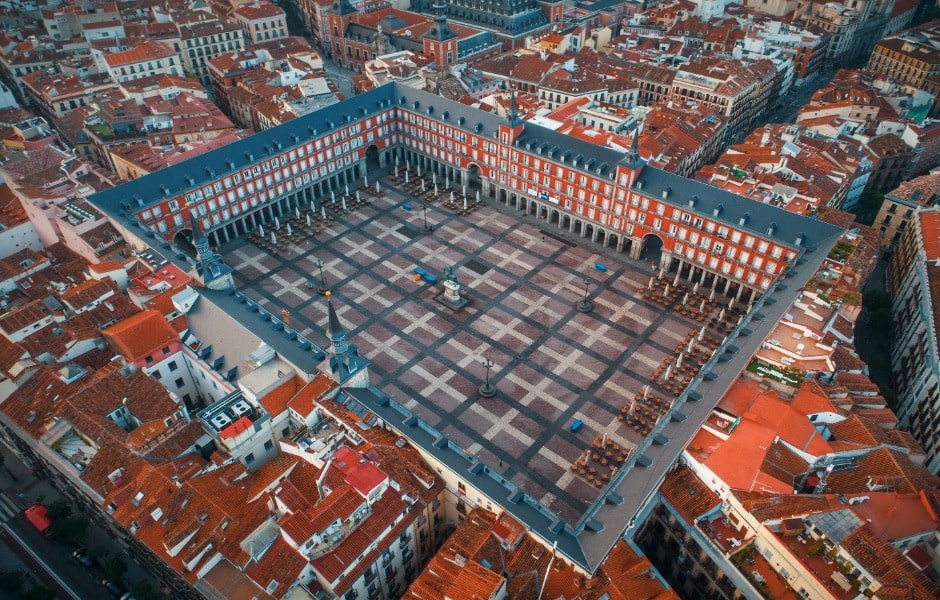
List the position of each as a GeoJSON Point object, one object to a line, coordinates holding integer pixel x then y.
{"type": "Point", "coordinates": [210, 270]}
{"type": "Point", "coordinates": [337, 333]}
{"type": "Point", "coordinates": [199, 238]}
{"type": "Point", "coordinates": [345, 365]}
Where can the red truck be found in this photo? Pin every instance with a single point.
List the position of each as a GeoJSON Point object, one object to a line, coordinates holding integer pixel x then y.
{"type": "Point", "coordinates": [39, 518]}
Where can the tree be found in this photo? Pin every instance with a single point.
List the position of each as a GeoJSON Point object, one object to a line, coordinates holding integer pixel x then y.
{"type": "Point", "coordinates": [142, 590]}
{"type": "Point", "coordinates": [12, 581]}
{"type": "Point", "coordinates": [72, 529]}
{"type": "Point", "coordinates": [59, 510]}
{"type": "Point", "coordinates": [115, 567]}
{"type": "Point", "coordinates": [38, 593]}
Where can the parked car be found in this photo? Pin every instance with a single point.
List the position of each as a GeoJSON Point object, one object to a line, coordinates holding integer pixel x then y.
{"type": "Point", "coordinates": [80, 554]}
{"type": "Point", "coordinates": [114, 589]}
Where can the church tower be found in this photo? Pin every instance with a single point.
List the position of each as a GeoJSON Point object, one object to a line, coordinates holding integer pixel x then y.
{"type": "Point", "coordinates": [346, 366]}
{"type": "Point", "coordinates": [631, 165]}
{"type": "Point", "coordinates": [440, 41]}
{"type": "Point", "coordinates": [337, 20]}
{"type": "Point", "coordinates": [210, 271]}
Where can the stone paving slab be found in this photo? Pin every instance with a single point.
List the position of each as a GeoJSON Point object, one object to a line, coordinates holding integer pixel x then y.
{"type": "Point", "coordinates": [551, 364]}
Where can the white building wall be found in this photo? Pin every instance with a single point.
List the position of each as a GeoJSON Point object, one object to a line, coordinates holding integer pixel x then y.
{"type": "Point", "coordinates": [16, 238]}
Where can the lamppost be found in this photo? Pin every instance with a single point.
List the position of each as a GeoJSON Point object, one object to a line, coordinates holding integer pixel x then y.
{"type": "Point", "coordinates": [487, 390]}
{"type": "Point", "coordinates": [427, 228]}
{"type": "Point", "coordinates": [584, 305]}
{"type": "Point", "coordinates": [323, 290]}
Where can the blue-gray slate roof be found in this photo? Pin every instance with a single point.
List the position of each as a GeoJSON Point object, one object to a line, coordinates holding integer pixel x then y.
{"type": "Point", "coordinates": [146, 191]}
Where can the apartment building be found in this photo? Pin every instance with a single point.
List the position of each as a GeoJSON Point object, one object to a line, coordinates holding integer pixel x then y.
{"type": "Point", "coordinates": [143, 60]}
{"type": "Point", "coordinates": [204, 40]}
{"type": "Point", "coordinates": [262, 21]}
{"type": "Point", "coordinates": [797, 515]}
{"type": "Point", "coordinates": [238, 195]}
{"type": "Point", "coordinates": [908, 56]}
{"type": "Point", "coordinates": [901, 203]}
{"type": "Point", "coordinates": [915, 361]}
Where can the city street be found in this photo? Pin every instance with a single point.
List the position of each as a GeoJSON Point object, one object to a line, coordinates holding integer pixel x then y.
{"type": "Point", "coordinates": [50, 562]}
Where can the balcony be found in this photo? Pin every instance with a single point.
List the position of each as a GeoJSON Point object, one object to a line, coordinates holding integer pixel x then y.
{"type": "Point", "coordinates": [822, 567]}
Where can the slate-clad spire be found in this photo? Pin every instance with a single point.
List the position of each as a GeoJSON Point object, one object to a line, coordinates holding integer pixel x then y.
{"type": "Point", "coordinates": [634, 156]}
{"type": "Point", "coordinates": [337, 333]}
{"type": "Point", "coordinates": [346, 366]}
{"type": "Point", "coordinates": [210, 270]}
{"type": "Point", "coordinates": [199, 239]}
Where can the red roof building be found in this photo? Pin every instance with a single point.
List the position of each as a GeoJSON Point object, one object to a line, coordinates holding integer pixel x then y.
{"type": "Point", "coordinates": [145, 339]}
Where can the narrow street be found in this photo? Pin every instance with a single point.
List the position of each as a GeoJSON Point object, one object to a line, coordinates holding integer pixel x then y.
{"type": "Point", "coordinates": [50, 561]}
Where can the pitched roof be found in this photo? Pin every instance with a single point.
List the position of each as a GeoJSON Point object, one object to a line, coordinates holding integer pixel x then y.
{"type": "Point", "coordinates": [141, 334]}
{"type": "Point", "coordinates": [148, 50]}
{"type": "Point", "coordinates": [278, 569]}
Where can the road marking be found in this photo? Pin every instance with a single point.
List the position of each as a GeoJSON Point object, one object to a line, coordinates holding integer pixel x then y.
{"type": "Point", "coordinates": [8, 508]}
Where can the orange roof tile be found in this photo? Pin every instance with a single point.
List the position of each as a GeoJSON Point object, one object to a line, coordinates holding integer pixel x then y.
{"type": "Point", "coordinates": [278, 569]}
{"type": "Point", "coordinates": [275, 401]}
{"type": "Point", "coordinates": [930, 233]}
{"type": "Point", "coordinates": [141, 334]}
{"type": "Point", "coordinates": [687, 494]}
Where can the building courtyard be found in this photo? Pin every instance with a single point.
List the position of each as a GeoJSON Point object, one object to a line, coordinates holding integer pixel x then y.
{"type": "Point", "coordinates": [552, 365]}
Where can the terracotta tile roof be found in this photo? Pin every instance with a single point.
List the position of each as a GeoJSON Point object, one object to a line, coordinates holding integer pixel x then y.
{"type": "Point", "coordinates": [882, 467]}
{"type": "Point", "coordinates": [280, 567]}
{"type": "Point", "coordinates": [148, 50]}
{"type": "Point", "coordinates": [630, 576]}
{"type": "Point", "coordinates": [898, 576]}
{"type": "Point", "coordinates": [141, 334]}
{"type": "Point", "coordinates": [930, 233]}
{"type": "Point", "coordinates": [354, 546]}
{"type": "Point", "coordinates": [784, 464]}
{"type": "Point", "coordinates": [361, 474]}
{"type": "Point", "coordinates": [262, 10]}
{"type": "Point", "coordinates": [85, 293]}
{"type": "Point", "coordinates": [686, 493]}
{"type": "Point", "coordinates": [529, 569]}
{"type": "Point", "coordinates": [288, 495]}
{"type": "Point", "coordinates": [10, 354]}
{"type": "Point", "coordinates": [24, 316]}
{"type": "Point", "coordinates": [270, 474]}
{"type": "Point", "coordinates": [275, 401]}
{"type": "Point", "coordinates": [922, 191]}
{"type": "Point", "coordinates": [305, 401]}
{"type": "Point", "coordinates": [12, 212]}
{"type": "Point", "coordinates": [464, 545]}
{"type": "Point", "coordinates": [767, 507]}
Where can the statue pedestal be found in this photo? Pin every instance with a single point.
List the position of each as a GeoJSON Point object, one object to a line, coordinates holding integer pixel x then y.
{"type": "Point", "coordinates": [451, 297]}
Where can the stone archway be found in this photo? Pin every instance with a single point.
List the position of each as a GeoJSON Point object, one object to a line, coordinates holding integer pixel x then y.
{"type": "Point", "coordinates": [651, 248]}
{"type": "Point", "coordinates": [373, 159]}
{"type": "Point", "coordinates": [613, 241]}
{"type": "Point", "coordinates": [183, 239]}
{"type": "Point", "coordinates": [474, 177]}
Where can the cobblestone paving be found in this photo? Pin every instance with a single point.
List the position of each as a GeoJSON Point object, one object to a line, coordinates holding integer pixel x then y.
{"type": "Point", "coordinates": [551, 364]}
